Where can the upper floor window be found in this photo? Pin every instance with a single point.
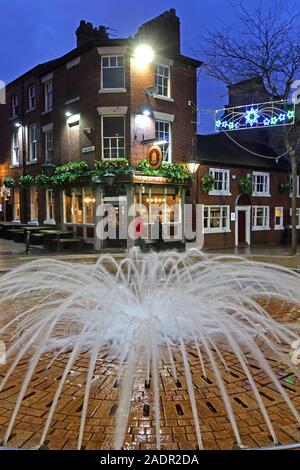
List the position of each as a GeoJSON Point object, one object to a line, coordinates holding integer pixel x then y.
{"type": "Point", "coordinates": [162, 80]}
{"type": "Point", "coordinates": [48, 95]}
{"type": "Point", "coordinates": [298, 186]}
{"type": "Point", "coordinates": [112, 72]}
{"type": "Point", "coordinates": [49, 146]}
{"type": "Point", "coordinates": [260, 184]}
{"type": "Point", "coordinates": [31, 98]}
{"type": "Point", "coordinates": [260, 218]}
{"type": "Point", "coordinates": [33, 143]}
{"type": "Point", "coordinates": [113, 137]}
{"type": "Point", "coordinates": [216, 219]}
{"type": "Point", "coordinates": [163, 136]}
{"type": "Point", "coordinates": [15, 148]}
{"type": "Point", "coordinates": [14, 106]}
{"type": "Point", "coordinates": [221, 181]}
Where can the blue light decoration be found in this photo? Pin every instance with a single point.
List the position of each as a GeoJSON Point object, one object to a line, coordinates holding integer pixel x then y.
{"type": "Point", "coordinates": [252, 116]}
{"type": "Point", "coordinates": [261, 115]}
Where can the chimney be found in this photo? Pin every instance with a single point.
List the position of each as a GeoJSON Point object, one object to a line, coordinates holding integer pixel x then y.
{"type": "Point", "coordinates": [86, 33]}
{"type": "Point", "coordinates": [162, 32]}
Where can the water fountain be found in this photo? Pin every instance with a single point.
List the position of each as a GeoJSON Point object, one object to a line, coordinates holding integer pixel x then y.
{"type": "Point", "coordinates": [208, 318]}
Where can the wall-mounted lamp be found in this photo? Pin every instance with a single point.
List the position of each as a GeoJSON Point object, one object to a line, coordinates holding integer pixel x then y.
{"type": "Point", "coordinates": [146, 111]}
{"type": "Point", "coordinates": [109, 178]}
{"type": "Point", "coordinates": [143, 55]}
{"type": "Point", "coordinates": [18, 124]}
{"type": "Point", "coordinates": [73, 119]}
{"type": "Point", "coordinates": [192, 167]}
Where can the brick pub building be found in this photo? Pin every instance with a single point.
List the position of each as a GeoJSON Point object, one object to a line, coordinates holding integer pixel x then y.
{"type": "Point", "coordinates": [98, 103]}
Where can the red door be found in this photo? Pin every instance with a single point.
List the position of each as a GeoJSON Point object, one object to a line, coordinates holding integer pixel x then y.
{"type": "Point", "coordinates": [241, 227]}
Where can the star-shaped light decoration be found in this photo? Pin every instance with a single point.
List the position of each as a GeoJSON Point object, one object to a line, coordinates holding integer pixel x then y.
{"type": "Point", "coordinates": [267, 122]}
{"type": "Point", "coordinates": [274, 121]}
{"type": "Point", "coordinates": [290, 114]}
{"type": "Point", "coordinates": [236, 126]}
{"type": "Point", "coordinates": [231, 126]}
{"type": "Point", "coordinates": [218, 123]}
{"type": "Point", "coordinates": [281, 117]}
{"type": "Point", "coordinates": [224, 124]}
{"type": "Point", "coordinates": [252, 116]}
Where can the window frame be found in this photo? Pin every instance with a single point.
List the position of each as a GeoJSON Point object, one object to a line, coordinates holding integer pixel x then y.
{"type": "Point", "coordinates": [50, 220]}
{"type": "Point", "coordinates": [256, 227]}
{"type": "Point", "coordinates": [109, 56]}
{"type": "Point", "coordinates": [298, 186]}
{"type": "Point", "coordinates": [169, 123]}
{"type": "Point", "coordinates": [47, 159]}
{"type": "Point", "coordinates": [280, 226]}
{"type": "Point", "coordinates": [298, 216]}
{"type": "Point", "coordinates": [33, 144]}
{"type": "Point", "coordinates": [16, 205]}
{"type": "Point", "coordinates": [34, 206]}
{"type": "Point", "coordinates": [219, 229]}
{"type": "Point", "coordinates": [156, 65]}
{"type": "Point", "coordinates": [15, 149]}
{"type": "Point", "coordinates": [31, 97]}
{"type": "Point", "coordinates": [48, 103]}
{"type": "Point", "coordinates": [220, 192]}
{"type": "Point", "coordinates": [14, 106]}
{"type": "Point", "coordinates": [102, 136]}
{"type": "Point", "coordinates": [256, 193]}
{"type": "Point", "coordinates": [83, 191]}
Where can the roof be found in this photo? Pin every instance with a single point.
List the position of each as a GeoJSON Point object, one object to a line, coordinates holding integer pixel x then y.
{"type": "Point", "coordinates": [218, 149]}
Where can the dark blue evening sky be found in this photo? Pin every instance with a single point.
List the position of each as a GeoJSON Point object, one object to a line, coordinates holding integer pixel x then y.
{"type": "Point", "coordinates": [35, 31]}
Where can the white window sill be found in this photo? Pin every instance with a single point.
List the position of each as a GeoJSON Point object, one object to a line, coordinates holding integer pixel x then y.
{"type": "Point", "coordinates": [49, 222]}
{"type": "Point", "coordinates": [47, 111]}
{"type": "Point", "coordinates": [279, 228]}
{"type": "Point", "coordinates": [298, 195]}
{"type": "Point", "coordinates": [13, 118]}
{"type": "Point", "coordinates": [165, 98]}
{"type": "Point", "coordinates": [213, 230]}
{"type": "Point", "coordinates": [30, 110]}
{"type": "Point", "coordinates": [16, 221]}
{"type": "Point", "coordinates": [73, 100]}
{"type": "Point", "coordinates": [33, 222]}
{"type": "Point", "coordinates": [261, 195]}
{"type": "Point", "coordinates": [14, 165]}
{"type": "Point", "coordinates": [219, 193]}
{"type": "Point", "coordinates": [31, 162]}
{"type": "Point", "coordinates": [260, 229]}
{"type": "Point", "coordinates": [112, 90]}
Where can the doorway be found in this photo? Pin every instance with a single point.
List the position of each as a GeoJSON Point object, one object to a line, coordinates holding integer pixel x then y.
{"type": "Point", "coordinates": [242, 225]}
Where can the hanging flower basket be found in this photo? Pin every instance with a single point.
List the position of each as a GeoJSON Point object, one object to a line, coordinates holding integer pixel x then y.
{"type": "Point", "coordinates": [207, 183]}
{"type": "Point", "coordinates": [285, 187]}
{"type": "Point", "coordinates": [27, 180]}
{"type": "Point", "coordinates": [9, 182]}
{"type": "Point", "coordinates": [246, 184]}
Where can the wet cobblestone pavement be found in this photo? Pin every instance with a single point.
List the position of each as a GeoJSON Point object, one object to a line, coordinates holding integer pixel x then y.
{"type": "Point", "coordinates": [177, 424]}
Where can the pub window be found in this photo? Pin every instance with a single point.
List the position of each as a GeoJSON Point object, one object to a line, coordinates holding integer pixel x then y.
{"type": "Point", "coordinates": [112, 72]}
{"type": "Point", "coordinates": [113, 137]}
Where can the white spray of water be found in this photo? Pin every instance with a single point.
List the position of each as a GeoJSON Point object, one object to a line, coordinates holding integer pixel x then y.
{"type": "Point", "coordinates": [140, 306]}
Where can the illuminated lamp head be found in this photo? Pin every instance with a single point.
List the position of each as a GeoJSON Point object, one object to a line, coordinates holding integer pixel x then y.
{"type": "Point", "coordinates": [143, 55]}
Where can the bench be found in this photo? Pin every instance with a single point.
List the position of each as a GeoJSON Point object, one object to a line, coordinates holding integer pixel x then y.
{"type": "Point", "coordinates": [60, 243]}
{"type": "Point", "coordinates": [36, 239]}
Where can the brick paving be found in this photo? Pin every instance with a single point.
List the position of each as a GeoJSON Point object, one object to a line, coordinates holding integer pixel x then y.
{"type": "Point", "coordinates": [177, 423]}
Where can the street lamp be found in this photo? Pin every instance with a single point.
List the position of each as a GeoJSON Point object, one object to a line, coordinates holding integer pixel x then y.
{"type": "Point", "coordinates": [143, 55]}
{"type": "Point", "coordinates": [109, 178]}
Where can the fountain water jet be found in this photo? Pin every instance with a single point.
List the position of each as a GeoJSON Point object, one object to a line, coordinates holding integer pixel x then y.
{"type": "Point", "coordinates": [140, 306]}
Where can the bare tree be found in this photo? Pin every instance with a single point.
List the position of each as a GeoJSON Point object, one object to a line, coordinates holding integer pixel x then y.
{"type": "Point", "coordinates": [263, 41]}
